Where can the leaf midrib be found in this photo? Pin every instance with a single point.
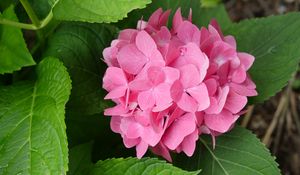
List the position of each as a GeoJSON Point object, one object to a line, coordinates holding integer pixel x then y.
{"type": "Point", "coordinates": [30, 121]}
{"type": "Point", "coordinates": [213, 155]}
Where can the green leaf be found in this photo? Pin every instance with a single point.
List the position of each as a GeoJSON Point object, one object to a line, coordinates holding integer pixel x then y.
{"type": "Point", "coordinates": [32, 135]}
{"type": "Point", "coordinates": [201, 16]}
{"type": "Point", "coordinates": [13, 51]}
{"type": "Point", "coordinates": [134, 166]}
{"type": "Point", "coordinates": [96, 11]}
{"type": "Point", "coordinates": [210, 3]}
{"type": "Point", "coordinates": [79, 46]}
{"type": "Point", "coordinates": [42, 7]}
{"type": "Point", "coordinates": [237, 152]}
{"type": "Point", "coordinates": [80, 159]}
{"type": "Point", "coordinates": [275, 44]}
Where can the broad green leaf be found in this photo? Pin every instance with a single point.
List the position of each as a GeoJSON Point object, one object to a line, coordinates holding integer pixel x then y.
{"type": "Point", "coordinates": [96, 11]}
{"type": "Point", "coordinates": [200, 16]}
{"type": "Point", "coordinates": [13, 51]}
{"type": "Point", "coordinates": [32, 136]}
{"type": "Point", "coordinates": [134, 166]}
{"type": "Point", "coordinates": [80, 159]}
{"type": "Point", "coordinates": [42, 7]}
{"type": "Point", "coordinates": [79, 46]}
{"type": "Point", "coordinates": [237, 152]}
{"type": "Point", "coordinates": [275, 44]}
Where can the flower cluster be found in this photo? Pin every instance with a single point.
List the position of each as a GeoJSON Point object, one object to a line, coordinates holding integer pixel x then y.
{"type": "Point", "coordinates": [170, 86]}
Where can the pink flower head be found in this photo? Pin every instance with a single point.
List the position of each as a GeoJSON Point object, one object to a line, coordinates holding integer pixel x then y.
{"type": "Point", "coordinates": [171, 86]}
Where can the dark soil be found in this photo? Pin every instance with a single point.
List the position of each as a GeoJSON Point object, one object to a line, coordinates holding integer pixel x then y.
{"type": "Point", "coordinates": [276, 122]}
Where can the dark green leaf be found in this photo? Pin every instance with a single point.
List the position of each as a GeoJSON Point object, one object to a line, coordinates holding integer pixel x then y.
{"type": "Point", "coordinates": [79, 46]}
{"type": "Point", "coordinates": [275, 44]}
{"type": "Point", "coordinates": [237, 152]}
{"type": "Point", "coordinates": [32, 135]}
{"type": "Point", "coordinates": [96, 11]}
{"type": "Point", "coordinates": [80, 159]}
{"type": "Point", "coordinates": [13, 51]}
{"type": "Point", "coordinates": [134, 166]}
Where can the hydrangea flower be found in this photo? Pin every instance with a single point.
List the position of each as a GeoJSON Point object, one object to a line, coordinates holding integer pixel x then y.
{"type": "Point", "coordinates": [171, 86]}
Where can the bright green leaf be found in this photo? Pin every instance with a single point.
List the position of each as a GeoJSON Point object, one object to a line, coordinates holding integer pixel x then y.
{"type": "Point", "coordinates": [134, 166]}
{"type": "Point", "coordinates": [237, 152]}
{"type": "Point", "coordinates": [32, 136]}
{"type": "Point", "coordinates": [275, 44]}
{"type": "Point", "coordinates": [13, 51]}
{"type": "Point", "coordinates": [96, 11]}
{"type": "Point", "coordinates": [80, 159]}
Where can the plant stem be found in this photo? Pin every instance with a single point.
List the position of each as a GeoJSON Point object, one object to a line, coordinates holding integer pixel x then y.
{"type": "Point", "coordinates": [18, 24]}
{"type": "Point", "coordinates": [30, 12]}
{"type": "Point", "coordinates": [28, 26]}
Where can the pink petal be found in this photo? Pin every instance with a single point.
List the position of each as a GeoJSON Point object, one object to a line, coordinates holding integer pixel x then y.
{"type": "Point", "coordinates": [150, 136]}
{"type": "Point", "coordinates": [200, 94]}
{"type": "Point", "coordinates": [146, 100]}
{"type": "Point", "coordinates": [113, 78]}
{"type": "Point", "coordinates": [171, 74]}
{"type": "Point", "coordinates": [211, 85]}
{"type": "Point", "coordinates": [191, 54]}
{"type": "Point", "coordinates": [180, 128]}
{"type": "Point", "coordinates": [217, 103]}
{"type": "Point", "coordinates": [115, 123]}
{"type": "Point", "coordinates": [164, 18]}
{"type": "Point", "coordinates": [188, 32]}
{"type": "Point", "coordinates": [141, 149]}
{"type": "Point", "coordinates": [140, 85]}
{"type": "Point", "coordinates": [116, 93]}
{"type": "Point", "coordinates": [131, 59]}
{"type": "Point", "coordinates": [230, 40]}
{"type": "Point", "coordinates": [189, 76]}
{"type": "Point", "coordinates": [189, 143]}
{"type": "Point", "coordinates": [156, 75]}
{"type": "Point", "coordinates": [116, 110]}
{"type": "Point", "coordinates": [216, 26]}
{"type": "Point", "coordinates": [162, 150]}
{"type": "Point", "coordinates": [128, 34]}
{"type": "Point", "coordinates": [134, 130]}
{"type": "Point", "coordinates": [220, 122]}
{"type": "Point", "coordinates": [145, 43]}
{"type": "Point", "coordinates": [162, 97]}
{"type": "Point", "coordinates": [176, 90]}
{"type": "Point", "coordinates": [187, 103]}
{"type": "Point", "coordinates": [154, 18]}
{"type": "Point", "coordinates": [246, 59]}
{"type": "Point", "coordinates": [235, 102]}
{"type": "Point", "coordinates": [177, 20]}
{"type": "Point", "coordinates": [129, 143]}
{"type": "Point", "coordinates": [239, 75]}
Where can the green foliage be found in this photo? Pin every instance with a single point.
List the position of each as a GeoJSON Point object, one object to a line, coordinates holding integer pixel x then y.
{"type": "Point", "coordinates": [13, 51]}
{"type": "Point", "coordinates": [79, 46]}
{"type": "Point", "coordinates": [42, 7]}
{"type": "Point", "coordinates": [237, 152]}
{"type": "Point", "coordinates": [80, 159]}
{"type": "Point", "coordinates": [275, 44]}
{"type": "Point", "coordinates": [97, 10]}
{"type": "Point", "coordinates": [32, 134]}
{"type": "Point", "coordinates": [134, 166]}
{"type": "Point", "coordinates": [32, 114]}
{"type": "Point", "coordinates": [209, 3]}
